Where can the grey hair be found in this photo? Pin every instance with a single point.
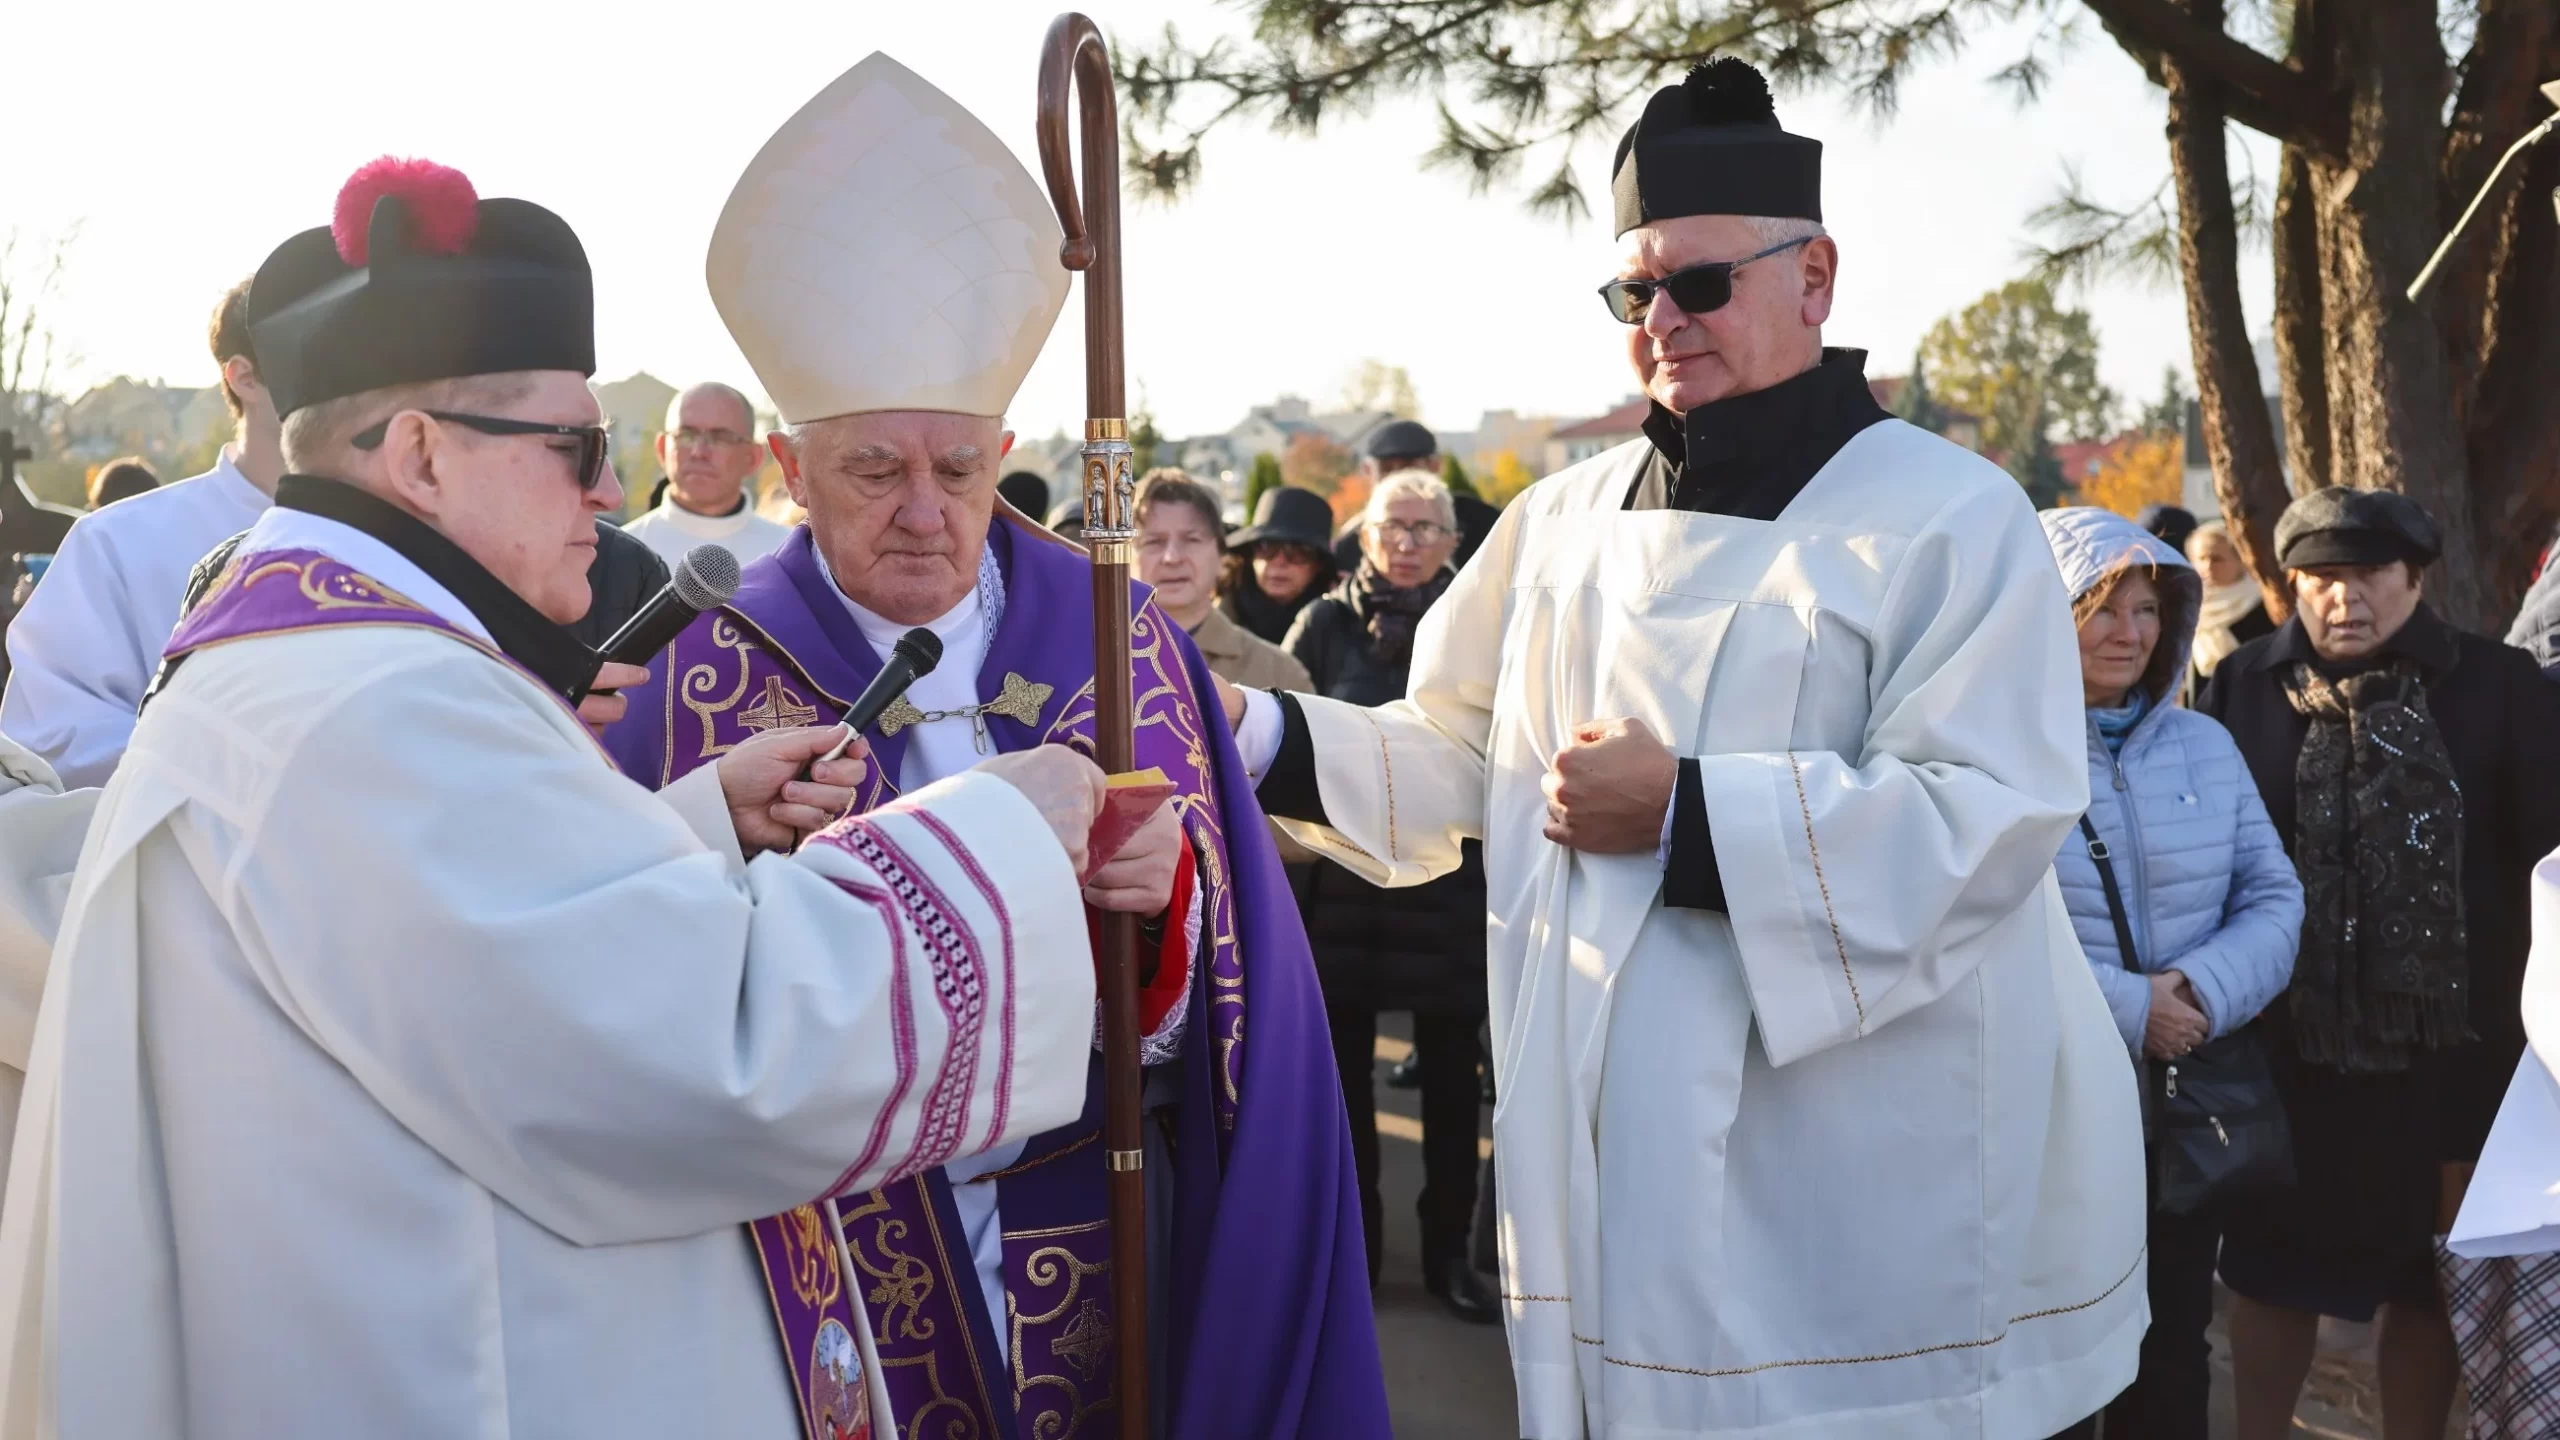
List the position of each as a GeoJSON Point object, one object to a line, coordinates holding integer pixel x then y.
{"type": "Point", "coordinates": [1414, 484]}
{"type": "Point", "coordinates": [731, 393]}
{"type": "Point", "coordinates": [316, 436]}
{"type": "Point", "coordinates": [1779, 229]}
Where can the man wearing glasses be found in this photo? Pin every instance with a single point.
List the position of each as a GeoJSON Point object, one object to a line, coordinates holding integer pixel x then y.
{"type": "Point", "coordinates": [1812, 1120]}
{"type": "Point", "coordinates": [709, 451]}
{"type": "Point", "coordinates": [402, 1067]}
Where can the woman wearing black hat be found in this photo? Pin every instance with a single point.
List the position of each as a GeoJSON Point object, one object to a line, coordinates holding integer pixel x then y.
{"type": "Point", "coordinates": [1279, 563]}
{"type": "Point", "coordinates": [2406, 765]}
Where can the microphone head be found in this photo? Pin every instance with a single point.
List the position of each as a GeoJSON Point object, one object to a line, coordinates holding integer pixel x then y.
{"type": "Point", "coordinates": [706, 577]}
{"type": "Point", "coordinates": [922, 649]}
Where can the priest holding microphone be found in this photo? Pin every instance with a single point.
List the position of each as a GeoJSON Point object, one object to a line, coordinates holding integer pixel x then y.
{"type": "Point", "coordinates": [404, 1069]}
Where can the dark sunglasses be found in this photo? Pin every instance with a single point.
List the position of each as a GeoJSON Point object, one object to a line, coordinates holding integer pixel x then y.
{"type": "Point", "coordinates": [592, 439]}
{"type": "Point", "coordinates": [1697, 290]}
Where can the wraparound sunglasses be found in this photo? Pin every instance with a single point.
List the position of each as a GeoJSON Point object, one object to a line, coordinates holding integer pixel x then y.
{"type": "Point", "coordinates": [1696, 289]}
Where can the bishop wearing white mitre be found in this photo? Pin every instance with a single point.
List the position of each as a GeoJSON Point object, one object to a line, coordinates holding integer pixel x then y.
{"type": "Point", "coordinates": [404, 1070]}
{"type": "Point", "coordinates": [1812, 1122]}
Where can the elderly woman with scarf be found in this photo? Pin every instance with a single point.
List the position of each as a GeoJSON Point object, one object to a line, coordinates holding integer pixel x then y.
{"type": "Point", "coordinates": [2407, 765]}
{"type": "Point", "coordinates": [1419, 948]}
{"type": "Point", "coordinates": [2210, 899]}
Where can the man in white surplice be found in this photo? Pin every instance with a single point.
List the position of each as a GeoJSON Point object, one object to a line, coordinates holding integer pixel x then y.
{"type": "Point", "coordinates": [1812, 1121]}
{"type": "Point", "coordinates": [406, 1071]}
{"type": "Point", "coordinates": [84, 647]}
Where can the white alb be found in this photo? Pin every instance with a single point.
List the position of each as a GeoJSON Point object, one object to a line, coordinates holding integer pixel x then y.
{"type": "Point", "coordinates": [1859, 1158]}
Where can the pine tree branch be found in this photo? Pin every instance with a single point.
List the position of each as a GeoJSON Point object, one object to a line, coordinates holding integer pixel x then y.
{"type": "Point", "coordinates": [1537, 72]}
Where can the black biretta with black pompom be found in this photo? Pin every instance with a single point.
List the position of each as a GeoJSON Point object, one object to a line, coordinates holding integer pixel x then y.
{"type": "Point", "coordinates": [1711, 145]}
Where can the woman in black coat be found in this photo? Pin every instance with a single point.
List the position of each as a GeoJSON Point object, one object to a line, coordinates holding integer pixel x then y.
{"type": "Point", "coordinates": [2406, 764]}
{"type": "Point", "coordinates": [1419, 948]}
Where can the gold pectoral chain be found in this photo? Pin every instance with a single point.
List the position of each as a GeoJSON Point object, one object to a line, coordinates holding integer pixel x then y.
{"type": "Point", "coordinates": [1020, 699]}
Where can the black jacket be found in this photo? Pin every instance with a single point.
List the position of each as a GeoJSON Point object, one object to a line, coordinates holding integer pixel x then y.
{"type": "Point", "coordinates": [2500, 719]}
{"type": "Point", "coordinates": [1415, 948]}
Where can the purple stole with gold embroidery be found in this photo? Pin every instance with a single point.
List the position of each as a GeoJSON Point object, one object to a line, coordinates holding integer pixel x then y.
{"type": "Point", "coordinates": [279, 592]}
{"type": "Point", "coordinates": [784, 652]}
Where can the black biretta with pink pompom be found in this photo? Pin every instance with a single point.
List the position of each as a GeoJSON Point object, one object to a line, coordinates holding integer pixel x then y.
{"type": "Point", "coordinates": [1711, 145]}
{"type": "Point", "coordinates": [417, 279]}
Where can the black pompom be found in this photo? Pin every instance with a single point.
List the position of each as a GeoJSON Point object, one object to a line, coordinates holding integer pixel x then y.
{"type": "Point", "coordinates": [1728, 92]}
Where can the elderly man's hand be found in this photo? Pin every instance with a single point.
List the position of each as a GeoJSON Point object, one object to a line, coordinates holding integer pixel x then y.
{"type": "Point", "coordinates": [1609, 789]}
{"type": "Point", "coordinates": [1062, 785]}
{"type": "Point", "coordinates": [1139, 880]}
{"type": "Point", "coordinates": [769, 804]}
{"type": "Point", "coordinates": [600, 711]}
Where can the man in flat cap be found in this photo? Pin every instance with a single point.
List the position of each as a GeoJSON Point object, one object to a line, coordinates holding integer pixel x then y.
{"type": "Point", "coordinates": [1813, 1123]}
{"type": "Point", "coordinates": [405, 1070]}
{"type": "Point", "coordinates": [1396, 445]}
{"type": "Point", "coordinates": [891, 309]}
{"type": "Point", "coordinates": [2408, 767]}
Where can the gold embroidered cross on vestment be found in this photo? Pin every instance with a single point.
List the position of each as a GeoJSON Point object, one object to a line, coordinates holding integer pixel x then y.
{"type": "Point", "coordinates": [778, 709]}
{"type": "Point", "coordinates": [1020, 699]}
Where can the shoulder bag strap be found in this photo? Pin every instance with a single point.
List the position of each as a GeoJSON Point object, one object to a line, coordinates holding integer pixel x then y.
{"type": "Point", "coordinates": [2105, 861]}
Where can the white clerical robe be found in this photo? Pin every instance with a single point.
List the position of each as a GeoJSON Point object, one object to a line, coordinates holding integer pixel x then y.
{"type": "Point", "coordinates": [467, 1058]}
{"type": "Point", "coordinates": [2513, 1204]}
{"type": "Point", "coordinates": [88, 641]}
{"type": "Point", "coordinates": [671, 530]}
{"type": "Point", "coordinates": [1861, 1157]}
{"type": "Point", "coordinates": [42, 827]}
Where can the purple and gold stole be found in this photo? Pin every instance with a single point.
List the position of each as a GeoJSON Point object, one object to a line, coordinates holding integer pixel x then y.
{"type": "Point", "coordinates": [785, 653]}
{"type": "Point", "coordinates": [282, 592]}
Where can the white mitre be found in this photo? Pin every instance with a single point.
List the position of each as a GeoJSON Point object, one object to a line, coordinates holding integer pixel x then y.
{"type": "Point", "coordinates": [885, 251]}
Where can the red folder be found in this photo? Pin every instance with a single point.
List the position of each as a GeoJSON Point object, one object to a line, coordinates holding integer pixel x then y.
{"type": "Point", "coordinates": [1127, 803]}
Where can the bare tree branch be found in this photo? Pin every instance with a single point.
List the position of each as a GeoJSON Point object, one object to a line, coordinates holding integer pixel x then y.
{"type": "Point", "coordinates": [31, 349]}
{"type": "Point", "coordinates": [2257, 90]}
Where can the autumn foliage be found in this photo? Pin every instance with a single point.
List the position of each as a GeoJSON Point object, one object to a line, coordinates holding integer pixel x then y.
{"type": "Point", "coordinates": [2140, 470]}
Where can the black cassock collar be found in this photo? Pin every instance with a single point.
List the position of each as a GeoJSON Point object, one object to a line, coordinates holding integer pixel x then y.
{"type": "Point", "coordinates": [1750, 455]}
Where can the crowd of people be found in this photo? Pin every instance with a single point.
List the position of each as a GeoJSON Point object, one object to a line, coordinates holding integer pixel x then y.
{"type": "Point", "coordinates": [1890, 1035]}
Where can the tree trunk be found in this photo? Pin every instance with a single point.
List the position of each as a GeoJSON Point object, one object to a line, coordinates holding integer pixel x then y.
{"type": "Point", "coordinates": [2449, 400]}
{"type": "Point", "coordinates": [2392, 419]}
{"type": "Point", "coordinates": [2237, 432]}
{"type": "Point", "coordinates": [2301, 341]}
{"type": "Point", "coordinates": [2500, 305]}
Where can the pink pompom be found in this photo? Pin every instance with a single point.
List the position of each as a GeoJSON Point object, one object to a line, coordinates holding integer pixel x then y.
{"type": "Point", "coordinates": [443, 208]}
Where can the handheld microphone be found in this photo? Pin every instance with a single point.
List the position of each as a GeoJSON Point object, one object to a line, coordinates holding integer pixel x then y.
{"type": "Point", "coordinates": [704, 579]}
{"type": "Point", "coordinates": [910, 660]}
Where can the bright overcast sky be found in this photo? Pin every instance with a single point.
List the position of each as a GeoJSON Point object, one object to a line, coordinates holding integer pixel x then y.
{"type": "Point", "coordinates": [205, 134]}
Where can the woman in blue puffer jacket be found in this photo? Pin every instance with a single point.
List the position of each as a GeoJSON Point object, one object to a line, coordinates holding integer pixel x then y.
{"type": "Point", "coordinates": [2214, 905]}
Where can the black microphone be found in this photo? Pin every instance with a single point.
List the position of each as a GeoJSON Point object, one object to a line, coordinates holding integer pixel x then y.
{"type": "Point", "coordinates": [910, 660]}
{"type": "Point", "coordinates": [704, 579]}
